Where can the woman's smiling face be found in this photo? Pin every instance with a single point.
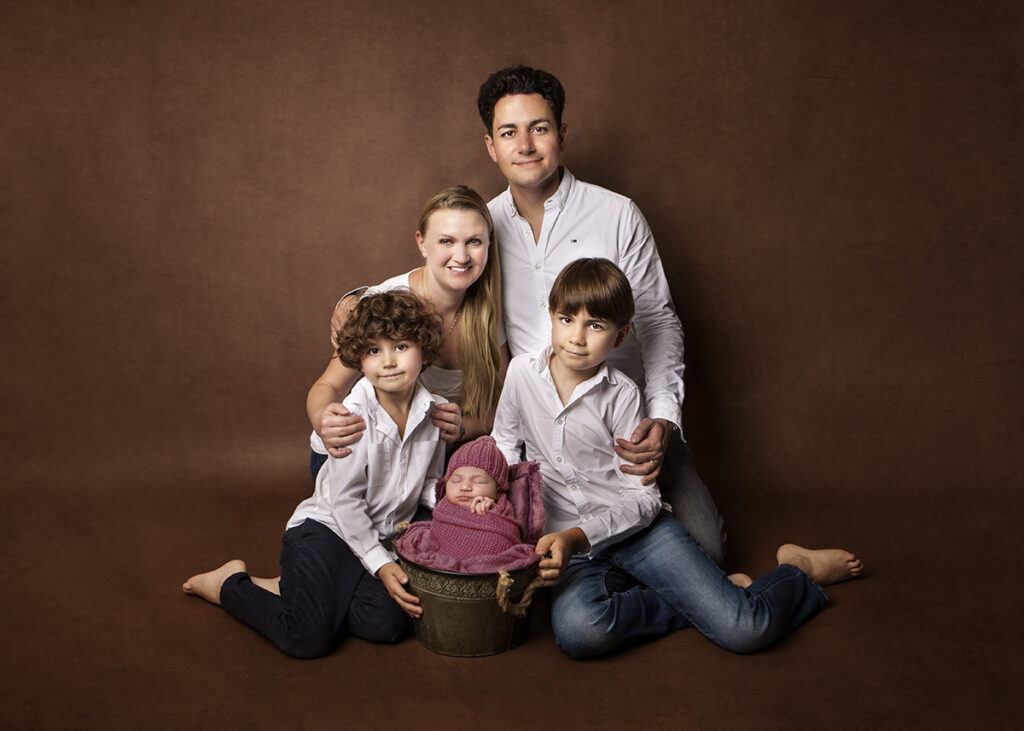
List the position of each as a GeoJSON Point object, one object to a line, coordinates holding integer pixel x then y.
{"type": "Point", "coordinates": [454, 244]}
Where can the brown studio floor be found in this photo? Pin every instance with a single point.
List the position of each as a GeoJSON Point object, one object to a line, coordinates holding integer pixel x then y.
{"type": "Point", "coordinates": [97, 633]}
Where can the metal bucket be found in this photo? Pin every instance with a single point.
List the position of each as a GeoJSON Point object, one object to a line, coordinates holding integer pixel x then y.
{"type": "Point", "coordinates": [461, 613]}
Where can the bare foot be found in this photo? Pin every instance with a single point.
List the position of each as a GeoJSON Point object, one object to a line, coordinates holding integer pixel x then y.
{"type": "Point", "coordinates": [825, 565]}
{"type": "Point", "coordinates": [271, 585]}
{"type": "Point", "coordinates": [208, 585]}
{"type": "Point", "coordinates": [741, 580]}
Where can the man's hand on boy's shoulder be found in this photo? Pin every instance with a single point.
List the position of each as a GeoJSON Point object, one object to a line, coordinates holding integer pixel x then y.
{"type": "Point", "coordinates": [645, 449]}
{"type": "Point", "coordinates": [556, 549]}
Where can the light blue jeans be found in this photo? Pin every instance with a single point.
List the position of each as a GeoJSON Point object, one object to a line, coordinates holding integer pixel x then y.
{"type": "Point", "coordinates": [659, 581]}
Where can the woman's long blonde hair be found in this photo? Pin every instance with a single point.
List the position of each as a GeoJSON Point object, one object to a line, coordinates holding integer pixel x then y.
{"type": "Point", "coordinates": [477, 344]}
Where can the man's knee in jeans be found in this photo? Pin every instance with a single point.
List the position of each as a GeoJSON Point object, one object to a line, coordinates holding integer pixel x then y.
{"type": "Point", "coordinates": [692, 503]}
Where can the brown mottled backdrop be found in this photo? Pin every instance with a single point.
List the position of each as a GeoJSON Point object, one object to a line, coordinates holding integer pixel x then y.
{"type": "Point", "coordinates": [187, 187]}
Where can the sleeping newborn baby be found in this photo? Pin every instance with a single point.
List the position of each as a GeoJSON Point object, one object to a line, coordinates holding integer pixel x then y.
{"type": "Point", "coordinates": [475, 529]}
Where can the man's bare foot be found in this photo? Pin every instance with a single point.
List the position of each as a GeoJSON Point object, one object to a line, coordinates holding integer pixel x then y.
{"type": "Point", "coordinates": [741, 580]}
{"type": "Point", "coordinates": [826, 565]}
{"type": "Point", "coordinates": [208, 585]}
{"type": "Point", "coordinates": [271, 585]}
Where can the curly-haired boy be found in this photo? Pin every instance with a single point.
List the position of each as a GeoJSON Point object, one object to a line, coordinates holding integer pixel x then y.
{"type": "Point", "coordinates": [338, 571]}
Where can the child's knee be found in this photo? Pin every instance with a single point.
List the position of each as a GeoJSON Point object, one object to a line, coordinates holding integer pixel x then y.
{"type": "Point", "coordinates": [308, 643]}
{"type": "Point", "coordinates": [385, 624]}
{"type": "Point", "coordinates": [582, 631]}
{"type": "Point", "coordinates": [743, 638]}
{"type": "Point", "coordinates": [385, 632]}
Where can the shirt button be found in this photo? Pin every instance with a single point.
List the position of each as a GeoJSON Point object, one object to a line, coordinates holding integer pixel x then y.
{"type": "Point", "coordinates": [558, 459]}
{"type": "Point", "coordinates": [560, 421]}
{"type": "Point", "coordinates": [543, 305]}
{"type": "Point", "coordinates": [537, 267]}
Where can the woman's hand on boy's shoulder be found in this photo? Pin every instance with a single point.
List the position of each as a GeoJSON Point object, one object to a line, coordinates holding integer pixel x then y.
{"type": "Point", "coordinates": [341, 313]}
{"type": "Point", "coordinates": [556, 549]}
{"type": "Point", "coordinates": [645, 449]}
{"type": "Point", "coordinates": [394, 580]}
{"type": "Point", "coordinates": [447, 417]}
{"type": "Point", "coordinates": [339, 429]}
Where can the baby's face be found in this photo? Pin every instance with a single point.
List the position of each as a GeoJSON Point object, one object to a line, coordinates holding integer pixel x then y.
{"type": "Point", "coordinates": [467, 483]}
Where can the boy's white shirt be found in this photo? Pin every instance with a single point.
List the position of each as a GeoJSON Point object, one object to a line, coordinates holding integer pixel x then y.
{"type": "Point", "coordinates": [583, 485]}
{"type": "Point", "coordinates": [363, 497]}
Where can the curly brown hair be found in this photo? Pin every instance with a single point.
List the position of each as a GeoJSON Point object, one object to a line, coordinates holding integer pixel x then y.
{"type": "Point", "coordinates": [395, 315]}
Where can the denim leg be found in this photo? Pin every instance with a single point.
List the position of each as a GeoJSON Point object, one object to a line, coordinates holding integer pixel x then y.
{"type": "Point", "coordinates": [319, 575]}
{"type": "Point", "coordinates": [692, 504]}
{"type": "Point", "coordinates": [668, 560]}
{"type": "Point", "coordinates": [598, 608]}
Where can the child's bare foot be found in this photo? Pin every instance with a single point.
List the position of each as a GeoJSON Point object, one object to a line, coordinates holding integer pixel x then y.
{"type": "Point", "coordinates": [825, 565]}
{"type": "Point", "coordinates": [208, 585]}
{"type": "Point", "coordinates": [271, 585]}
{"type": "Point", "coordinates": [741, 580]}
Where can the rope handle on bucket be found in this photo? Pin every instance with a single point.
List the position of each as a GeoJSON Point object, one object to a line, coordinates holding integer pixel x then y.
{"type": "Point", "coordinates": [505, 588]}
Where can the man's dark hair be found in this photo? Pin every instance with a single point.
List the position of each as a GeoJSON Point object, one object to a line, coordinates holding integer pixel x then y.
{"type": "Point", "coordinates": [519, 80]}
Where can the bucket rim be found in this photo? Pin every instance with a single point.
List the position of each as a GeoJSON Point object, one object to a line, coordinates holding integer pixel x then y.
{"type": "Point", "coordinates": [446, 572]}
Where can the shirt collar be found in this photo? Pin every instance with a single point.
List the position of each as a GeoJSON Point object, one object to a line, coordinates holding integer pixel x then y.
{"type": "Point", "coordinates": [557, 200]}
{"type": "Point", "coordinates": [418, 410]}
{"type": "Point", "coordinates": [543, 358]}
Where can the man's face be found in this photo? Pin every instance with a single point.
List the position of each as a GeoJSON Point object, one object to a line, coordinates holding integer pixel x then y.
{"type": "Point", "coordinates": [525, 143]}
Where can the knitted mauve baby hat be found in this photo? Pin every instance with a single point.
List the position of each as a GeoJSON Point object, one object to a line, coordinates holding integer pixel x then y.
{"type": "Point", "coordinates": [482, 453]}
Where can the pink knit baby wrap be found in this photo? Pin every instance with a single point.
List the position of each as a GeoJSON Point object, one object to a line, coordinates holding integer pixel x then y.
{"type": "Point", "coordinates": [459, 540]}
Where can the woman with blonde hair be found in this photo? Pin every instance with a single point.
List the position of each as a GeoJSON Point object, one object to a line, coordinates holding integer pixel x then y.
{"type": "Point", "coordinates": [461, 280]}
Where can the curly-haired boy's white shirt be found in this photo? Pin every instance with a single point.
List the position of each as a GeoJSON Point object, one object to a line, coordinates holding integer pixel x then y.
{"type": "Point", "coordinates": [364, 496]}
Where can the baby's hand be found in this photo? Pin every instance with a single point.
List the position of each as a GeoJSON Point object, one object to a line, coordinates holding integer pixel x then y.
{"type": "Point", "coordinates": [481, 504]}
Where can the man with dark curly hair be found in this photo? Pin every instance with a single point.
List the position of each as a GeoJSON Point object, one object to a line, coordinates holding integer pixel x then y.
{"type": "Point", "coordinates": [547, 219]}
{"type": "Point", "coordinates": [338, 542]}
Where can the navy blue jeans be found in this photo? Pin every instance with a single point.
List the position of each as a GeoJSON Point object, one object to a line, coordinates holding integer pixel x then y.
{"type": "Point", "coordinates": [659, 581]}
{"type": "Point", "coordinates": [325, 594]}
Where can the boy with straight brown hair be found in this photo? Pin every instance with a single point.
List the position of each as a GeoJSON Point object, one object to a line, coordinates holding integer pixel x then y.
{"type": "Point", "coordinates": [623, 570]}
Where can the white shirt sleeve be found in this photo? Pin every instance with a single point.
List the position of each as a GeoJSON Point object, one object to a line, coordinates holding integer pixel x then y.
{"type": "Point", "coordinates": [656, 324]}
{"type": "Point", "coordinates": [346, 483]}
{"type": "Point", "coordinates": [637, 505]}
{"type": "Point", "coordinates": [507, 430]}
{"type": "Point", "coordinates": [434, 472]}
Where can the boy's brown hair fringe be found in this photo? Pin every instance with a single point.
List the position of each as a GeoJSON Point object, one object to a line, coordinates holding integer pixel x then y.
{"type": "Point", "coordinates": [595, 285]}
